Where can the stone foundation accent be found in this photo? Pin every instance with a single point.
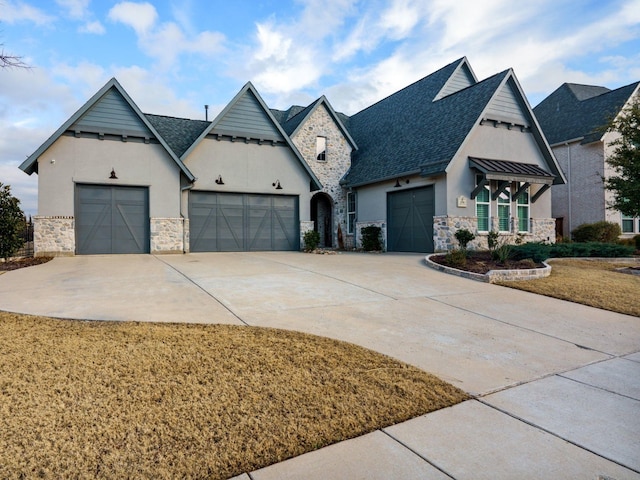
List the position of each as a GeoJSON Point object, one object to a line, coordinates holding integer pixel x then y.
{"type": "Point", "coordinates": [383, 233]}
{"type": "Point", "coordinates": [186, 238]}
{"type": "Point", "coordinates": [445, 227]}
{"type": "Point", "coordinates": [305, 226]}
{"type": "Point", "coordinates": [54, 236]}
{"type": "Point", "coordinates": [167, 235]}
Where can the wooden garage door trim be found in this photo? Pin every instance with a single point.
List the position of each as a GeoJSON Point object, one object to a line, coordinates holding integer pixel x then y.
{"type": "Point", "coordinates": [410, 225]}
{"type": "Point", "coordinates": [226, 221]}
{"type": "Point", "coordinates": [111, 219]}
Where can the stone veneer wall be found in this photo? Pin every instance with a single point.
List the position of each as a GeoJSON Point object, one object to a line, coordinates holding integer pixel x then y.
{"type": "Point", "coordinates": [53, 236]}
{"type": "Point", "coordinates": [305, 227]}
{"type": "Point", "coordinates": [167, 235]}
{"type": "Point", "coordinates": [330, 171]}
{"type": "Point", "coordinates": [445, 227]}
{"type": "Point", "coordinates": [383, 233]}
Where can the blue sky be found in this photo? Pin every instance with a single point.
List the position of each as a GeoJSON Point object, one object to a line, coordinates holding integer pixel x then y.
{"type": "Point", "coordinates": [173, 57]}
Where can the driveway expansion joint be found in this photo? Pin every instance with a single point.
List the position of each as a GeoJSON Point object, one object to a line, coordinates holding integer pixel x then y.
{"type": "Point", "coordinates": [422, 457]}
{"type": "Point", "coordinates": [552, 433]}
{"type": "Point", "coordinates": [190, 280]}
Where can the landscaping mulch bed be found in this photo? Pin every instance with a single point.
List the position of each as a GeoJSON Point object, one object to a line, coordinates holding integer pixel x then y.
{"type": "Point", "coordinates": [14, 264]}
{"type": "Point", "coordinates": [481, 262]}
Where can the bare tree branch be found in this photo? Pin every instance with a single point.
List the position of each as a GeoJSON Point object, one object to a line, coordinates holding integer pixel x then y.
{"type": "Point", "coordinates": [11, 61]}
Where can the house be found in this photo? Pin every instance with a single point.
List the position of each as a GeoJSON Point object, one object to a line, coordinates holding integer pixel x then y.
{"type": "Point", "coordinates": [444, 153]}
{"type": "Point", "coordinates": [572, 118]}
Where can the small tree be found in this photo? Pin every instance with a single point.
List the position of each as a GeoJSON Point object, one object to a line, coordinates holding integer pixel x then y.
{"type": "Point", "coordinates": [625, 161]}
{"type": "Point", "coordinates": [12, 223]}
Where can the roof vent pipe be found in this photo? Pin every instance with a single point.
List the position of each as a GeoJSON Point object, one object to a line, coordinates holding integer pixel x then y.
{"type": "Point", "coordinates": [206, 113]}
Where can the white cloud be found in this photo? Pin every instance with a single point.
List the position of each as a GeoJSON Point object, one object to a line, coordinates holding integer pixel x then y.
{"type": "Point", "coordinates": [139, 16]}
{"type": "Point", "coordinates": [75, 8]}
{"type": "Point", "coordinates": [94, 27]}
{"type": "Point", "coordinates": [14, 12]}
{"type": "Point", "coordinates": [167, 41]}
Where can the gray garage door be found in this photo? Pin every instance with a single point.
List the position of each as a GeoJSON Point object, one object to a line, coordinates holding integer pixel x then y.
{"type": "Point", "coordinates": [410, 220]}
{"type": "Point", "coordinates": [235, 222]}
{"type": "Point", "coordinates": [112, 219]}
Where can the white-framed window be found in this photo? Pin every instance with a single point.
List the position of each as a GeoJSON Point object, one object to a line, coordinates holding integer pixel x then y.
{"type": "Point", "coordinates": [504, 210]}
{"type": "Point", "coordinates": [523, 206]}
{"type": "Point", "coordinates": [321, 149]}
{"type": "Point", "coordinates": [630, 224]}
{"type": "Point", "coordinates": [483, 206]}
{"type": "Point", "coordinates": [351, 212]}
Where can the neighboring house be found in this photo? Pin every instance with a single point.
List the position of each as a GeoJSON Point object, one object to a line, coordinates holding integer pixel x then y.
{"type": "Point", "coordinates": [445, 153]}
{"type": "Point", "coordinates": [572, 119]}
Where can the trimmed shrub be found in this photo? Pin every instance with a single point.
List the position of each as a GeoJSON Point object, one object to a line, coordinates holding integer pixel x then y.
{"type": "Point", "coordinates": [540, 251]}
{"type": "Point", "coordinates": [371, 241]}
{"type": "Point", "coordinates": [311, 240]}
{"type": "Point", "coordinates": [604, 232]}
{"type": "Point", "coordinates": [457, 258]}
{"type": "Point", "coordinates": [637, 239]}
{"type": "Point", "coordinates": [464, 236]}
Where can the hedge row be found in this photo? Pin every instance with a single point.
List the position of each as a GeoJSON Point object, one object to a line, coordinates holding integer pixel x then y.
{"type": "Point", "coordinates": [541, 251]}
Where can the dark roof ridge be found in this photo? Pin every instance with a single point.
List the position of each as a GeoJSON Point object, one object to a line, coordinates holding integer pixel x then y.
{"type": "Point", "coordinates": [176, 118]}
{"type": "Point", "coordinates": [431, 75]}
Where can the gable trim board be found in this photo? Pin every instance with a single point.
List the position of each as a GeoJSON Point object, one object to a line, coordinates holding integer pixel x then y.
{"type": "Point", "coordinates": [300, 117]}
{"type": "Point", "coordinates": [249, 89]}
{"type": "Point", "coordinates": [30, 165]}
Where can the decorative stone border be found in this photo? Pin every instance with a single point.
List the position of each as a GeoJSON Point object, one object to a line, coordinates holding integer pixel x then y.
{"type": "Point", "coordinates": [492, 276]}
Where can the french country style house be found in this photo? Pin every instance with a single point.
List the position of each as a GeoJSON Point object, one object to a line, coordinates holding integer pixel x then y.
{"type": "Point", "coordinates": [445, 153]}
{"type": "Point", "coordinates": [572, 119]}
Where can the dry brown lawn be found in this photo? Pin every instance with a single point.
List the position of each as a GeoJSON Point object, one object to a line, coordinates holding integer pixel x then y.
{"type": "Point", "coordinates": [590, 282]}
{"type": "Point", "coordinates": [142, 400]}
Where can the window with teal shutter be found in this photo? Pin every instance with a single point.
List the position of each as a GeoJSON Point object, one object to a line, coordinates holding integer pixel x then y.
{"type": "Point", "coordinates": [483, 207]}
{"type": "Point", "coordinates": [504, 210]}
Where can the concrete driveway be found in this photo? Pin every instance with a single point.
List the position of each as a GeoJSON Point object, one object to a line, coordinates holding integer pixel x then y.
{"type": "Point", "coordinates": [556, 384]}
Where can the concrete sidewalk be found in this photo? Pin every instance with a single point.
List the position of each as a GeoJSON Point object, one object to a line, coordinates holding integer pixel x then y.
{"type": "Point", "coordinates": [556, 384]}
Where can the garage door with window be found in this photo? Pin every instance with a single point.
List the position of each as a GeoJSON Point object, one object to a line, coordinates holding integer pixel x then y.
{"type": "Point", "coordinates": [111, 219]}
{"type": "Point", "coordinates": [236, 222]}
{"type": "Point", "coordinates": [410, 220]}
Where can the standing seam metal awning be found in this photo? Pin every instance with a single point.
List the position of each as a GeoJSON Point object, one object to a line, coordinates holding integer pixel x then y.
{"type": "Point", "coordinates": [506, 171]}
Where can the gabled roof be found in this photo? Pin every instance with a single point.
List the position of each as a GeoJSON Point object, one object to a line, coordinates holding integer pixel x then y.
{"type": "Point", "coordinates": [408, 133]}
{"type": "Point", "coordinates": [293, 123]}
{"type": "Point", "coordinates": [241, 96]}
{"type": "Point", "coordinates": [578, 112]}
{"type": "Point", "coordinates": [179, 133]}
{"type": "Point", "coordinates": [30, 165]}
{"type": "Point", "coordinates": [421, 128]}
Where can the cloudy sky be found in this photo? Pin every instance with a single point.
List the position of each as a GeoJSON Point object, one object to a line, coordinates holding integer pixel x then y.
{"type": "Point", "coordinates": [174, 56]}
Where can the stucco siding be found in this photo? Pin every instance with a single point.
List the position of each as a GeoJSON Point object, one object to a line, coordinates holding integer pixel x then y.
{"type": "Point", "coordinates": [501, 143]}
{"type": "Point", "coordinates": [73, 160]}
{"type": "Point", "coordinates": [249, 168]}
{"type": "Point", "coordinates": [372, 199]}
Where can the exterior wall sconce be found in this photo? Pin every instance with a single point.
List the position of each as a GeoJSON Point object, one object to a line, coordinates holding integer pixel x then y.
{"type": "Point", "coordinates": [277, 185]}
{"type": "Point", "coordinates": [398, 185]}
{"type": "Point", "coordinates": [219, 180]}
{"type": "Point", "coordinates": [113, 175]}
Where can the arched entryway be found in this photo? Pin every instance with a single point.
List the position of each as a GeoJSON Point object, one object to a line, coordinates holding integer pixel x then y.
{"type": "Point", "coordinates": [321, 214]}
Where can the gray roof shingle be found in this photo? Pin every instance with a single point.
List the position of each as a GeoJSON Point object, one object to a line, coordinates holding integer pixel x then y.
{"type": "Point", "coordinates": [408, 133]}
{"type": "Point", "coordinates": [179, 133]}
{"type": "Point", "coordinates": [576, 111]}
